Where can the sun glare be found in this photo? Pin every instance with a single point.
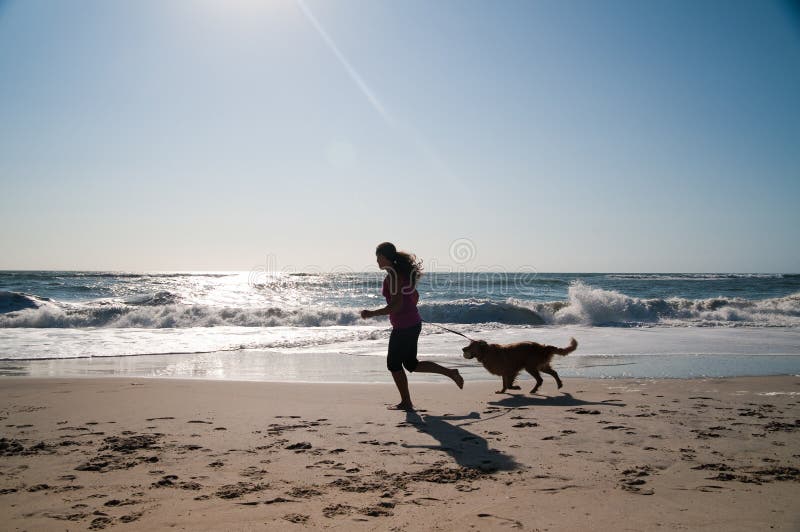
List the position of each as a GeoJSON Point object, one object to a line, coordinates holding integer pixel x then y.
{"type": "Point", "coordinates": [244, 10]}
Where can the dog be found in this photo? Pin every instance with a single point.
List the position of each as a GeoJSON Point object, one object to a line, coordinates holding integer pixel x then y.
{"type": "Point", "coordinates": [508, 360]}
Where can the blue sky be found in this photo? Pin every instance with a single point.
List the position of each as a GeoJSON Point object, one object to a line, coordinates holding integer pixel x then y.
{"type": "Point", "coordinates": [555, 135]}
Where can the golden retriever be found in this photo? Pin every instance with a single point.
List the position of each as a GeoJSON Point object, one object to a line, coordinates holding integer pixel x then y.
{"type": "Point", "coordinates": [507, 360]}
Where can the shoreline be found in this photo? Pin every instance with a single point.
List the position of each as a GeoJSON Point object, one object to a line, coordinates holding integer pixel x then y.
{"type": "Point", "coordinates": [602, 353]}
{"type": "Point", "coordinates": [321, 367]}
{"type": "Point", "coordinates": [703, 454]}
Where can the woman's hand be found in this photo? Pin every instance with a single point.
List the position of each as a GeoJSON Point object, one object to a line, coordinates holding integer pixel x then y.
{"type": "Point", "coordinates": [366, 314]}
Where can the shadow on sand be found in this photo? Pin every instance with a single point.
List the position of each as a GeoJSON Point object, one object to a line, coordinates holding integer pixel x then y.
{"type": "Point", "coordinates": [565, 399]}
{"type": "Point", "coordinates": [467, 449]}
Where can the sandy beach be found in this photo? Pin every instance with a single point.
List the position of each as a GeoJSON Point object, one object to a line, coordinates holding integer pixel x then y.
{"type": "Point", "coordinates": [151, 454]}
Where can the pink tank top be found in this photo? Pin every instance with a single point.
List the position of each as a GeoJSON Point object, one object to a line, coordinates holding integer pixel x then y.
{"type": "Point", "coordinates": [408, 316]}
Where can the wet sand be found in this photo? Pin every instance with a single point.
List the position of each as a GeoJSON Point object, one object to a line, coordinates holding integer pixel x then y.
{"type": "Point", "coordinates": [622, 454]}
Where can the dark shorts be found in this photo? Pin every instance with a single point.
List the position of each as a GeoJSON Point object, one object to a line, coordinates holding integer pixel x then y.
{"type": "Point", "coordinates": [403, 348]}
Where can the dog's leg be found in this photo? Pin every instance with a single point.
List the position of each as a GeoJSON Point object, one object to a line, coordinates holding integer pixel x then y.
{"type": "Point", "coordinates": [536, 376]}
{"type": "Point", "coordinates": [511, 379]}
{"type": "Point", "coordinates": [504, 385]}
{"type": "Point", "coordinates": [551, 371]}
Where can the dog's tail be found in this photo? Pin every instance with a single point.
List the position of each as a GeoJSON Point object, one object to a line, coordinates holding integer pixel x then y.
{"type": "Point", "coordinates": [563, 351]}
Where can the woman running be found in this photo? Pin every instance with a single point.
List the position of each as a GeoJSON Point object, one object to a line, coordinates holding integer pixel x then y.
{"type": "Point", "coordinates": [399, 288]}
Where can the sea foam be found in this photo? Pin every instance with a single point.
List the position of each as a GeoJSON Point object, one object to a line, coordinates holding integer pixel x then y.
{"type": "Point", "coordinates": [585, 305]}
{"type": "Point", "coordinates": [595, 306]}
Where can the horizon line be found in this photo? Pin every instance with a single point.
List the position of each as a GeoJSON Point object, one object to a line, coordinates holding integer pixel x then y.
{"type": "Point", "coordinates": [311, 272]}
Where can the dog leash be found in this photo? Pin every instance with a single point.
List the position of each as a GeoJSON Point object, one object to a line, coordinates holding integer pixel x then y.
{"type": "Point", "coordinates": [449, 330]}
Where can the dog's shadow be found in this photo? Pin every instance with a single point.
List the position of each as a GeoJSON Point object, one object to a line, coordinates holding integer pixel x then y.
{"type": "Point", "coordinates": [466, 448]}
{"type": "Point", "coordinates": [565, 399]}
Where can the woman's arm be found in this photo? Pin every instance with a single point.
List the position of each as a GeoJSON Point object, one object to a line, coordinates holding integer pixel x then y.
{"type": "Point", "coordinates": [395, 303]}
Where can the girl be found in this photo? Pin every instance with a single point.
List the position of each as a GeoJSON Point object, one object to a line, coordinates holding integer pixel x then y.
{"type": "Point", "coordinates": [399, 289]}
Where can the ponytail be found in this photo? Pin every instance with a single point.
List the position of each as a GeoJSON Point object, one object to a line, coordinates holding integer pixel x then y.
{"type": "Point", "coordinates": [404, 263]}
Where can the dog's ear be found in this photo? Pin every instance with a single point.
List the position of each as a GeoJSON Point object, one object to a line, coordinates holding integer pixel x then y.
{"type": "Point", "coordinates": [482, 346]}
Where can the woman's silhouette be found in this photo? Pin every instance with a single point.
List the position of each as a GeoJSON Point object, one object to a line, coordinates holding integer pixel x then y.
{"type": "Point", "coordinates": [399, 288]}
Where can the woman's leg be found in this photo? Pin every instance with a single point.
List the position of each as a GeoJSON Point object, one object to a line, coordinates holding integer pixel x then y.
{"type": "Point", "coordinates": [394, 363]}
{"type": "Point", "coordinates": [426, 366]}
{"type": "Point", "coordinates": [401, 381]}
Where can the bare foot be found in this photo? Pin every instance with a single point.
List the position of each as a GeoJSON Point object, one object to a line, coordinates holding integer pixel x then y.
{"type": "Point", "coordinates": [401, 406]}
{"type": "Point", "coordinates": [457, 378]}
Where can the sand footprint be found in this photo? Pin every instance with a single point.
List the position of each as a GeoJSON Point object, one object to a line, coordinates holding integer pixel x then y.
{"type": "Point", "coordinates": [296, 518]}
{"type": "Point", "coordinates": [503, 520]}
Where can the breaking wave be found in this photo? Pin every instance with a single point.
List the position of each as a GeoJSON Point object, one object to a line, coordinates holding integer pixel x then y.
{"type": "Point", "coordinates": [585, 305]}
{"type": "Point", "coordinates": [594, 306]}
{"type": "Point", "coordinates": [147, 315]}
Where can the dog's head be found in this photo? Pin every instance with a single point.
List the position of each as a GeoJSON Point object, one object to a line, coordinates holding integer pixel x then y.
{"type": "Point", "coordinates": [475, 349]}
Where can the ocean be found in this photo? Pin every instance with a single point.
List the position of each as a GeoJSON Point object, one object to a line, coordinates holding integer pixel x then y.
{"type": "Point", "coordinates": [278, 326]}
